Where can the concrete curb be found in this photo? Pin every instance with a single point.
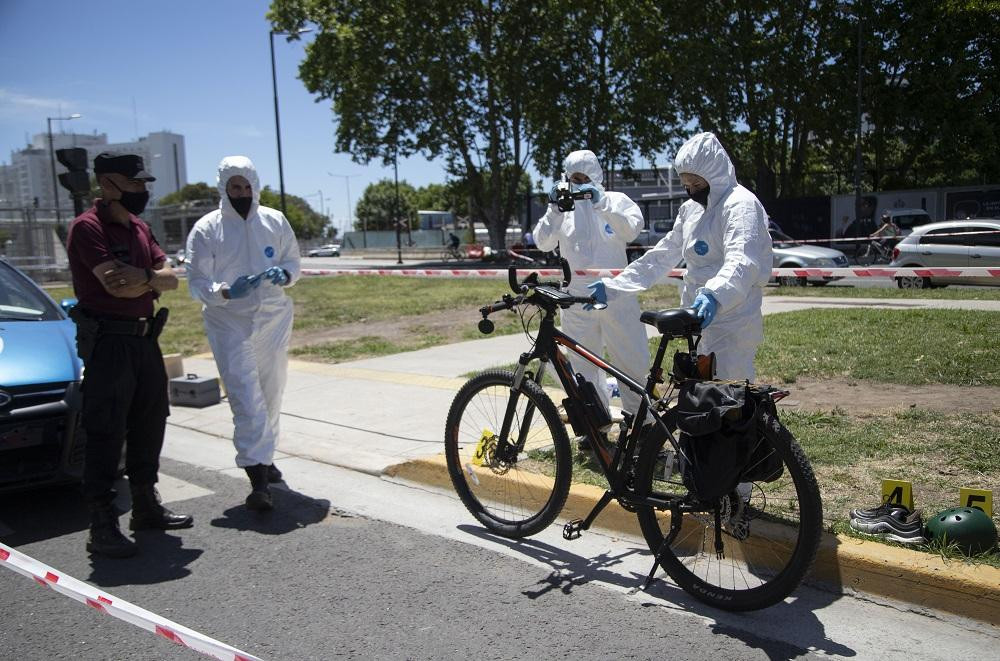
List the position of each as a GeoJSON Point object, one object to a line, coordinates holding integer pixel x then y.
{"type": "Point", "coordinates": [848, 564]}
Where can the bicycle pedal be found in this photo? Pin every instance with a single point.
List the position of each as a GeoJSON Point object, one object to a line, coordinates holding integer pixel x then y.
{"type": "Point", "coordinates": [573, 529]}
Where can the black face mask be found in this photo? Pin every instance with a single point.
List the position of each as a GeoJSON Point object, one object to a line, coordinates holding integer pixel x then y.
{"type": "Point", "coordinates": [701, 197]}
{"type": "Point", "coordinates": [241, 204]}
{"type": "Point", "coordinates": [134, 202]}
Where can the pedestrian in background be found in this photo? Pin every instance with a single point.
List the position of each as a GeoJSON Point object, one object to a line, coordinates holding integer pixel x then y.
{"type": "Point", "coordinates": [118, 271]}
{"type": "Point", "coordinates": [240, 258]}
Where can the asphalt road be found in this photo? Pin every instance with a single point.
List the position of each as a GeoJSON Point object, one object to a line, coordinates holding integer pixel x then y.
{"type": "Point", "coordinates": [311, 582]}
{"type": "Point", "coordinates": [354, 566]}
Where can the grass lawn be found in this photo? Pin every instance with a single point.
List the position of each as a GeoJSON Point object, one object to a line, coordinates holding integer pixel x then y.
{"type": "Point", "coordinates": [963, 293]}
{"type": "Point", "coordinates": [893, 346]}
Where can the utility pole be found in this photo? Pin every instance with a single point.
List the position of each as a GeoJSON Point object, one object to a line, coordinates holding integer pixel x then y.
{"type": "Point", "coordinates": [277, 122]}
{"type": "Point", "coordinates": [395, 170]}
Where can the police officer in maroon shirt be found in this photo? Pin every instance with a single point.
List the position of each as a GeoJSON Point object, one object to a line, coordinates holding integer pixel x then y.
{"type": "Point", "coordinates": [118, 272]}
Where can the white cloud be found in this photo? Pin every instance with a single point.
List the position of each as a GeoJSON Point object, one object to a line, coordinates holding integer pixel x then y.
{"type": "Point", "coordinates": [15, 104]}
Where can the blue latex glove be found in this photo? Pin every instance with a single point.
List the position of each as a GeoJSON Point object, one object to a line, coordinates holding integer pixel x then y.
{"type": "Point", "coordinates": [276, 275]}
{"type": "Point", "coordinates": [242, 286]}
{"type": "Point", "coordinates": [600, 295]}
{"type": "Point", "coordinates": [706, 306]}
{"type": "Point", "coordinates": [554, 194]}
{"type": "Point", "coordinates": [593, 190]}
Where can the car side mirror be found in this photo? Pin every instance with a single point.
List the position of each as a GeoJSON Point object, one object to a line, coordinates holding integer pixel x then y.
{"type": "Point", "coordinates": [67, 304]}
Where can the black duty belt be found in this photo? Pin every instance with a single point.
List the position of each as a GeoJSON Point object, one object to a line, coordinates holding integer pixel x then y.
{"type": "Point", "coordinates": [142, 327]}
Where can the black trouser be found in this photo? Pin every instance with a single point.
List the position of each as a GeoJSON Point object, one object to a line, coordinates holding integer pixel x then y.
{"type": "Point", "coordinates": [124, 398]}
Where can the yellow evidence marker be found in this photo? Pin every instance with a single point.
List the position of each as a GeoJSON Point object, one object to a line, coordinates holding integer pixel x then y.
{"type": "Point", "coordinates": [898, 492]}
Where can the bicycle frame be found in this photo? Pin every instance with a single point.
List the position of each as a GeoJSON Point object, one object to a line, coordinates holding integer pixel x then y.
{"type": "Point", "coordinates": [546, 349]}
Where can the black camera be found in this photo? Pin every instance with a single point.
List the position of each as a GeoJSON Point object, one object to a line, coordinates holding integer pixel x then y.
{"type": "Point", "coordinates": [565, 196]}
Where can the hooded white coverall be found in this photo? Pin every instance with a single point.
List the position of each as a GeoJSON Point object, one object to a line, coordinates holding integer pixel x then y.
{"type": "Point", "coordinates": [249, 336]}
{"type": "Point", "coordinates": [594, 236]}
{"type": "Point", "coordinates": [728, 252]}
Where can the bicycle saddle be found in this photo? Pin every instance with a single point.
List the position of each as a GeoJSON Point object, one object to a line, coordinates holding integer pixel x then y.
{"type": "Point", "coordinates": [675, 322]}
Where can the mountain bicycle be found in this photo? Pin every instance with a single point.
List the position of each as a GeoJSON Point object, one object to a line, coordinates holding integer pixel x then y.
{"type": "Point", "coordinates": [509, 458]}
{"type": "Point", "coordinates": [877, 251]}
{"type": "Point", "coordinates": [453, 253]}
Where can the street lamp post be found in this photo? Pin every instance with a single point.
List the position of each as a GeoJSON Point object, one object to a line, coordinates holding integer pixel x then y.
{"type": "Point", "coordinates": [52, 162]}
{"type": "Point", "coordinates": [277, 123]}
{"type": "Point", "coordinates": [350, 219]}
{"type": "Point", "coordinates": [395, 171]}
{"type": "Point", "coordinates": [857, 135]}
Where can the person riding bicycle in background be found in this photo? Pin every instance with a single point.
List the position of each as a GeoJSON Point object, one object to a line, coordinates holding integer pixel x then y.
{"type": "Point", "coordinates": [453, 241]}
{"type": "Point", "coordinates": [888, 228]}
{"type": "Point", "coordinates": [593, 236]}
{"type": "Point", "coordinates": [721, 233]}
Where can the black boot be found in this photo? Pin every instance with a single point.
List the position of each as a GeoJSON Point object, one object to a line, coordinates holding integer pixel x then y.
{"type": "Point", "coordinates": [273, 474]}
{"type": "Point", "coordinates": [149, 514]}
{"type": "Point", "coordinates": [260, 497]}
{"type": "Point", "coordinates": [105, 536]}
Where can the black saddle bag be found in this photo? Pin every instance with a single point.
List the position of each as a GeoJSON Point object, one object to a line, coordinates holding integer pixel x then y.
{"type": "Point", "coordinates": [720, 439]}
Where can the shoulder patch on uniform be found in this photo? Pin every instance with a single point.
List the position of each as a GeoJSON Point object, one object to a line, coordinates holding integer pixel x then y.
{"type": "Point", "coordinates": [701, 247]}
{"type": "Point", "coordinates": [269, 251]}
{"type": "Point", "coordinates": [607, 229]}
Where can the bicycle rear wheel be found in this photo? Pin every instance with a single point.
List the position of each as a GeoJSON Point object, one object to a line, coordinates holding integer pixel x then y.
{"type": "Point", "coordinates": [770, 540]}
{"type": "Point", "coordinates": [514, 493]}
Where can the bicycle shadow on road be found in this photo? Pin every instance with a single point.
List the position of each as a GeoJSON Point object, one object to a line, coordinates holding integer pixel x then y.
{"type": "Point", "coordinates": [292, 511]}
{"type": "Point", "coordinates": [787, 630]}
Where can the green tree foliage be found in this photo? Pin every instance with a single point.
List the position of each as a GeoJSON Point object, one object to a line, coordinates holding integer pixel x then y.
{"type": "Point", "coordinates": [376, 209]}
{"type": "Point", "coordinates": [492, 86]}
{"type": "Point", "coordinates": [199, 192]}
{"type": "Point", "coordinates": [306, 223]}
{"type": "Point", "coordinates": [477, 82]}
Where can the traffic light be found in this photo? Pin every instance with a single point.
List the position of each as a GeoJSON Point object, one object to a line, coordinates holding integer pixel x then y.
{"type": "Point", "coordinates": [75, 179]}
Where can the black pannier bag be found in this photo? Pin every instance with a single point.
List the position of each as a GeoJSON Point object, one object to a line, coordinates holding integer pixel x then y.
{"type": "Point", "coordinates": [720, 439]}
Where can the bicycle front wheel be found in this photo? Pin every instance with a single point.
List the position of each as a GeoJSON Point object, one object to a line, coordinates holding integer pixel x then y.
{"type": "Point", "coordinates": [514, 486]}
{"type": "Point", "coordinates": [770, 536]}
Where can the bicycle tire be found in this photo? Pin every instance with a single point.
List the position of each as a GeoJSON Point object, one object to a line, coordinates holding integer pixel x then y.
{"type": "Point", "coordinates": [512, 499]}
{"type": "Point", "coordinates": [770, 563]}
{"type": "Point", "coordinates": [446, 255]}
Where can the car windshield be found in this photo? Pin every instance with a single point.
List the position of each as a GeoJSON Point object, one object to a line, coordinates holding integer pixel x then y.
{"type": "Point", "coordinates": [782, 240]}
{"type": "Point", "coordinates": [21, 301]}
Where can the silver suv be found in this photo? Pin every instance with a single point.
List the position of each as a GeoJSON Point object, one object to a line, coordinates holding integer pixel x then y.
{"type": "Point", "coordinates": [957, 243]}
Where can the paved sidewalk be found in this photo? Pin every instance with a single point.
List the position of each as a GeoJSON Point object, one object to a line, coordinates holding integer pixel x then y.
{"type": "Point", "coordinates": [386, 416]}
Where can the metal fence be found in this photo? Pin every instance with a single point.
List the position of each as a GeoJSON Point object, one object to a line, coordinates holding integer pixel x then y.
{"type": "Point", "coordinates": [34, 241]}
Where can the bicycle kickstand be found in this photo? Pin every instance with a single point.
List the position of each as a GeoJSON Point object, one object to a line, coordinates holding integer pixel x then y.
{"type": "Point", "coordinates": [656, 563]}
{"type": "Point", "coordinates": [573, 529]}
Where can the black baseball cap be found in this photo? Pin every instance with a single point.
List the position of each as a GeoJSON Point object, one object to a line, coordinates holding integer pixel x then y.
{"type": "Point", "coordinates": [128, 165]}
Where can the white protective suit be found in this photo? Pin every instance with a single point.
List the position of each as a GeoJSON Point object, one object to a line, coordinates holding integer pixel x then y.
{"type": "Point", "coordinates": [727, 249]}
{"type": "Point", "coordinates": [249, 336]}
{"type": "Point", "coordinates": [594, 236]}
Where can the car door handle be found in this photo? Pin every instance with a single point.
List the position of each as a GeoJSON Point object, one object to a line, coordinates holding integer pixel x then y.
{"type": "Point", "coordinates": [975, 256]}
{"type": "Point", "coordinates": [925, 252]}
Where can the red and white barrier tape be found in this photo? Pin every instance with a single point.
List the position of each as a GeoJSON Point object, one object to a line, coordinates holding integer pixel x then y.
{"type": "Point", "coordinates": [854, 271]}
{"type": "Point", "coordinates": [861, 239]}
{"type": "Point", "coordinates": [123, 610]}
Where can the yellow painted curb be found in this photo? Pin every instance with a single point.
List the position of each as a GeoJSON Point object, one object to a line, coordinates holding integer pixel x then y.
{"type": "Point", "coordinates": [850, 564]}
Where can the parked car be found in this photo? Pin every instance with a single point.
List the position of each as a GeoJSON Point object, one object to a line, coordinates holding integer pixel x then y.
{"type": "Point", "coordinates": [977, 244]}
{"type": "Point", "coordinates": [329, 250]}
{"type": "Point", "coordinates": [648, 238]}
{"type": "Point", "coordinates": [40, 399]}
{"type": "Point", "coordinates": [790, 254]}
{"type": "Point", "coordinates": [908, 219]}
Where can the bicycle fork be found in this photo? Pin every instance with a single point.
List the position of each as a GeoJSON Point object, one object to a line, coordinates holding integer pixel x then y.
{"type": "Point", "coordinates": [506, 450]}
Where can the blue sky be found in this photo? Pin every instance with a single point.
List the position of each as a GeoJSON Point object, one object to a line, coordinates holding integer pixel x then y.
{"type": "Point", "coordinates": [201, 69]}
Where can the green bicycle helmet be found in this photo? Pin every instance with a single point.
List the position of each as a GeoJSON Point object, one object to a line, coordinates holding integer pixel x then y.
{"type": "Point", "coordinates": [970, 528]}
